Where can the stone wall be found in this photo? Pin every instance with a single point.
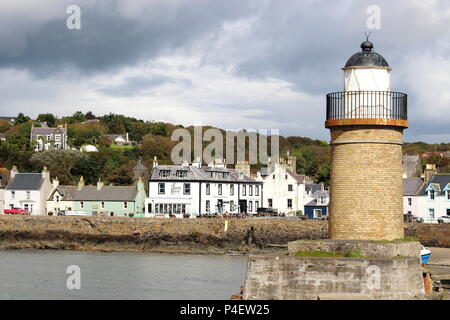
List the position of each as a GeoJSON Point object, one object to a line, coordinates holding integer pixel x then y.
{"type": "Point", "coordinates": [299, 278]}
{"type": "Point", "coordinates": [366, 188]}
{"type": "Point", "coordinates": [176, 235]}
{"type": "Point", "coordinates": [155, 235]}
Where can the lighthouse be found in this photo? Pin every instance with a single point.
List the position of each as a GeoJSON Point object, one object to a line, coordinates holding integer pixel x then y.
{"type": "Point", "coordinates": [366, 122]}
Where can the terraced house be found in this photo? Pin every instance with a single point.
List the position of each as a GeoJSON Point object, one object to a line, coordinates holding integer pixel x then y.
{"type": "Point", "coordinates": [193, 189]}
{"type": "Point", "coordinates": [117, 201]}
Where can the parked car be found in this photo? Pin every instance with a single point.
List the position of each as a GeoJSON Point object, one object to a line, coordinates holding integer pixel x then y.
{"type": "Point", "coordinates": [75, 213]}
{"type": "Point", "coordinates": [444, 219]}
{"type": "Point", "coordinates": [266, 211]}
{"type": "Point", "coordinates": [61, 213]}
{"type": "Point", "coordinates": [16, 211]}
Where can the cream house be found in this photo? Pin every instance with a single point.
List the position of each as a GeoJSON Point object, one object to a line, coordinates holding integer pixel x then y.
{"type": "Point", "coordinates": [29, 191]}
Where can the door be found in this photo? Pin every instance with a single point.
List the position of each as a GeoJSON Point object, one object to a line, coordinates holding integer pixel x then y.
{"type": "Point", "coordinates": [220, 206]}
{"type": "Point", "coordinates": [243, 206]}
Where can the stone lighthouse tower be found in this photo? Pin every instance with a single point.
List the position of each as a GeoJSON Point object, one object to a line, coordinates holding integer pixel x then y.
{"type": "Point", "coordinates": [366, 123]}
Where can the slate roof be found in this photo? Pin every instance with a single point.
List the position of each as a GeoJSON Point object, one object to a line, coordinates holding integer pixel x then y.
{"type": "Point", "coordinates": [316, 195]}
{"type": "Point", "coordinates": [200, 174]}
{"type": "Point", "coordinates": [107, 193]}
{"type": "Point", "coordinates": [67, 192]}
{"type": "Point", "coordinates": [300, 178]}
{"type": "Point", "coordinates": [314, 187]}
{"type": "Point", "coordinates": [26, 181]}
{"type": "Point", "coordinates": [45, 131]}
{"type": "Point", "coordinates": [412, 186]}
{"type": "Point", "coordinates": [440, 181]}
{"type": "Point", "coordinates": [140, 166]}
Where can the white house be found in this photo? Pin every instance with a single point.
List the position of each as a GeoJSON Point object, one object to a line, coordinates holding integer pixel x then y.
{"type": "Point", "coordinates": [195, 189]}
{"type": "Point", "coordinates": [434, 198]}
{"type": "Point", "coordinates": [412, 188]}
{"type": "Point", "coordinates": [4, 177]}
{"type": "Point", "coordinates": [118, 139]}
{"type": "Point", "coordinates": [285, 190]}
{"type": "Point", "coordinates": [45, 138]}
{"type": "Point", "coordinates": [29, 191]}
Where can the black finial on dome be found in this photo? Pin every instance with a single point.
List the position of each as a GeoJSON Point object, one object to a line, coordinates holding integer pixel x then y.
{"type": "Point", "coordinates": [366, 57]}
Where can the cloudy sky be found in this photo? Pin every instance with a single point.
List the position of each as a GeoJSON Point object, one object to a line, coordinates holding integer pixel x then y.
{"type": "Point", "coordinates": [229, 63]}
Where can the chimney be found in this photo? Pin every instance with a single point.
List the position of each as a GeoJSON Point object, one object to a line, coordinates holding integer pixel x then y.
{"type": "Point", "coordinates": [155, 161]}
{"type": "Point", "coordinates": [14, 171]}
{"type": "Point", "coordinates": [46, 174]}
{"type": "Point", "coordinates": [81, 183]}
{"type": "Point", "coordinates": [99, 185]}
{"type": "Point", "coordinates": [55, 183]}
{"type": "Point", "coordinates": [197, 163]}
{"type": "Point", "coordinates": [430, 170]}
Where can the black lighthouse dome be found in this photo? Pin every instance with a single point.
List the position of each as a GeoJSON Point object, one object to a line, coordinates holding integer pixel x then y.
{"type": "Point", "coordinates": [367, 57]}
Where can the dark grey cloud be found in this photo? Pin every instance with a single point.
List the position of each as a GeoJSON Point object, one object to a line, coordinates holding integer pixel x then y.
{"type": "Point", "coordinates": [303, 43]}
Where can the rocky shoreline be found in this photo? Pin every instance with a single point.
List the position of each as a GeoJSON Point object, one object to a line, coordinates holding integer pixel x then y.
{"type": "Point", "coordinates": [196, 236]}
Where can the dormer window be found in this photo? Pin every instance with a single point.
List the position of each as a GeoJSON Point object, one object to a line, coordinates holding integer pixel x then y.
{"type": "Point", "coordinates": [226, 175]}
{"type": "Point", "coordinates": [181, 174]}
{"type": "Point", "coordinates": [164, 173]}
{"type": "Point", "coordinates": [431, 194]}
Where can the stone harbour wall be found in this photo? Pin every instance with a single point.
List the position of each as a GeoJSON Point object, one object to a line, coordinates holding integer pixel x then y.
{"type": "Point", "coordinates": [176, 235]}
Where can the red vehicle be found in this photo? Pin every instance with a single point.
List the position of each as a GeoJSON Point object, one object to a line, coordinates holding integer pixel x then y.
{"type": "Point", "coordinates": [16, 211]}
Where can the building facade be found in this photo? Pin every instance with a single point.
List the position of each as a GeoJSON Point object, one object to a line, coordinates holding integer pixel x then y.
{"type": "Point", "coordinates": [115, 201]}
{"type": "Point", "coordinates": [412, 188]}
{"type": "Point", "coordinates": [284, 190]}
{"type": "Point", "coordinates": [193, 189]}
{"type": "Point", "coordinates": [317, 208]}
{"type": "Point", "coordinates": [29, 191]}
{"type": "Point", "coordinates": [433, 201]}
{"type": "Point", "coordinates": [45, 138]}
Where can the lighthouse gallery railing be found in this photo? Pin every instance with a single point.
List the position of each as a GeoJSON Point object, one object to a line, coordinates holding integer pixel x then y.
{"type": "Point", "coordinates": [367, 105]}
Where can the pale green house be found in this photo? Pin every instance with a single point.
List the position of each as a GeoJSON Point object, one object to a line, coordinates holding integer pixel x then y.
{"type": "Point", "coordinates": [117, 201]}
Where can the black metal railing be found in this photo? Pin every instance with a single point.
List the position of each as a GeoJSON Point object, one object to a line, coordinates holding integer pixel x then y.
{"type": "Point", "coordinates": [367, 105]}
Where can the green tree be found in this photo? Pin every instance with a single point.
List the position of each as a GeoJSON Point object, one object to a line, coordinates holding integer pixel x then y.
{"type": "Point", "coordinates": [48, 118]}
{"type": "Point", "coordinates": [21, 118]}
{"type": "Point", "coordinates": [60, 162]}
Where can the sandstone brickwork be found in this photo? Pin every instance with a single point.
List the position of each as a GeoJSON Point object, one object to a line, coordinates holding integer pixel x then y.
{"type": "Point", "coordinates": [366, 197]}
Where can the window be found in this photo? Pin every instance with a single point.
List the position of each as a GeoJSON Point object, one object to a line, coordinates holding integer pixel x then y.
{"type": "Point", "coordinates": [273, 176]}
{"type": "Point", "coordinates": [431, 194]}
{"type": "Point", "coordinates": [125, 205]}
{"type": "Point", "coordinates": [289, 203]}
{"type": "Point", "coordinates": [270, 203]}
{"type": "Point", "coordinates": [13, 194]}
{"type": "Point", "coordinates": [256, 205]}
{"type": "Point", "coordinates": [161, 188]}
{"type": "Point", "coordinates": [28, 195]}
{"type": "Point", "coordinates": [82, 204]}
{"type": "Point", "coordinates": [208, 189]}
{"type": "Point", "coordinates": [181, 174]}
{"type": "Point", "coordinates": [448, 195]}
{"type": "Point", "coordinates": [250, 190]}
{"type": "Point", "coordinates": [231, 205]}
{"type": "Point", "coordinates": [290, 187]}
{"type": "Point", "coordinates": [431, 213]}
{"type": "Point", "coordinates": [164, 173]}
{"type": "Point", "coordinates": [103, 205]}
{"type": "Point", "coordinates": [256, 190]}
{"type": "Point", "coordinates": [57, 137]}
{"type": "Point", "coordinates": [207, 206]}
{"type": "Point", "coordinates": [49, 137]}
{"type": "Point", "coordinates": [231, 189]}
{"type": "Point", "coordinates": [250, 204]}
{"type": "Point", "coordinates": [57, 198]}
{"type": "Point", "coordinates": [244, 190]}
{"type": "Point", "coordinates": [448, 212]}
{"type": "Point", "coordinates": [187, 188]}
{"type": "Point", "coordinates": [219, 189]}
{"type": "Point", "coordinates": [409, 201]}
{"type": "Point", "coordinates": [285, 176]}
{"type": "Point", "coordinates": [226, 175]}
